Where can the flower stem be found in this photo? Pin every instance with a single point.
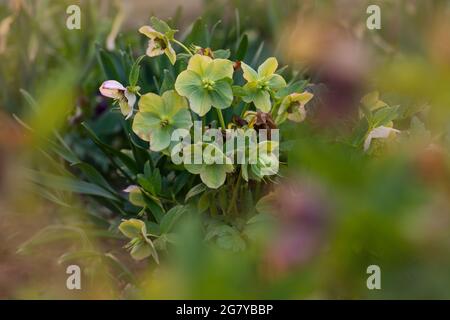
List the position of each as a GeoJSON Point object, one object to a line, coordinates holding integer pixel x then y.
{"type": "Point", "coordinates": [183, 46]}
{"type": "Point", "coordinates": [222, 121]}
{"type": "Point", "coordinates": [244, 109]}
{"type": "Point", "coordinates": [235, 193]}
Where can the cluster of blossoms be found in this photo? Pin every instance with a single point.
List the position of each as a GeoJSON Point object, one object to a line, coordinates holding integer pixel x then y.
{"type": "Point", "coordinates": [207, 83]}
{"type": "Point", "coordinates": [210, 83]}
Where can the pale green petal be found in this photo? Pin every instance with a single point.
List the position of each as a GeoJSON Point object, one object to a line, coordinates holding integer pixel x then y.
{"type": "Point", "coordinates": [141, 251]}
{"type": "Point", "coordinates": [150, 32]}
{"type": "Point", "coordinates": [182, 119]}
{"type": "Point", "coordinates": [303, 98]}
{"type": "Point", "coordinates": [132, 228]}
{"type": "Point", "coordinates": [276, 82]}
{"type": "Point", "coordinates": [219, 69]}
{"type": "Point", "coordinates": [160, 138]}
{"type": "Point", "coordinates": [250, 91]}
{"type": "Point", "coordinates": [262, 101]}
{"type": "Point", "coordinates": [268, 67]}
{"type": "Point", "coordinates": [200, 101]}
{"type": "Point", "coordinates": [144, 123]}
{"type": "Point", "coordinates": [213, 175]}
{"type": "Point", "coordinates": [150, 102]}
{"type": "Point", "coordinates": [171, 54]}
{"type": "Point", "coordinates": [249, 74]}
{"type": "Point", "coordinates": [187, 82]}
{"type": "Point", "coordinates": [173, 103]}
{"type": "Point", "coordinates": [222, 95]}
{"type": "Point", "coordinates": [125, 108]}
{"type": "Point", "coordinates": [198, 64]}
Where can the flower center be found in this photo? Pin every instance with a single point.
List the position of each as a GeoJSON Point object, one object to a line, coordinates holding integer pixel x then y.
{"type": "Point", "coordinates": [263, 85]}
{"type": "Point", "coordinates": [160, 44]}
{"type": "Point", "coordinates": [164, 122]}
{"type": "Point", "coordinates": [208, 84]}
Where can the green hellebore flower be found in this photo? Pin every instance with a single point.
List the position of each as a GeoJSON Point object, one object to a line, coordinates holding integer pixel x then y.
{"type": "Point", "coordinates": [267, 162]}
{"type": "Point", "coordinates": [159, 43]}
{"type": "Point", "coordinates": [293, 107]}
{"type": "Point", "coordinates": [211, 173]}
{"type": "Point", "coordinates": [206, 83]}
{"type": "Point", "coordinates": [260, 84]}
{"type": "Point", "coordinates": [159, 116]}
{"type": "Point", "coordinates": [140, 245]}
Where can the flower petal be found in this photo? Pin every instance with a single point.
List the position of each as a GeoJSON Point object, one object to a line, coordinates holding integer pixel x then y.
{"type": "Point", "coordinates": [200, 101]}
{"type": "Point", "coordinates": [112, 89]}
{"type": "Point", "coordinates": [198, 64]}
{"type": "Point", "coordinates": [378, 133]}
{"type": "Point", "coordinates": [249, 74]}
{"type": "Point", "coordinates": [276, 82]}
{"type": "Point", "coordinates": [160, 138]}
{"type": "Point", "coordinates": [219, 69]}
{"type": "Point", "coordinates": [222, 95]}
{"type": "Point", "coordinates": [153, 50]}
{"type": "Point", "coordinates": [131, 99]}
{"type": "Point", "coordinates": [268, 67]}
{"type": "Point", "coordinates": [213, 175]}
{"type": "Point", "coordinates": [144, 123]}
{"type": "Point", "coordinates": [170, 53]}
{"type": "Point", "coordinates": [187, 82]}
{"type": "Point", "coordinates": [262, 101]}
{"type": "Point", "coordinates": [150, 32]}
{"type": "Point", "coordinates": [182, 119]}
{"type": "Point", "coordinates": [173, 103]}
{"type": "Point", "coordinates": [151, 102]}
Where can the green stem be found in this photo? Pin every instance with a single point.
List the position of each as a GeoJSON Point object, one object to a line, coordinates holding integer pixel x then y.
{"type": "Point", "coordinates": [183, 46]}
{"type": "Point", "coordinates": [222, 121]}
{"type": "Point", "coordinates": [235, 193]}
{"type": "Point", "coordinates": [244, 109]}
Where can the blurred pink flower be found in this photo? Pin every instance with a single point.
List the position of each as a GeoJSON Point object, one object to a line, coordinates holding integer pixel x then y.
{"type": "Point", "coordinates": [303, 216]}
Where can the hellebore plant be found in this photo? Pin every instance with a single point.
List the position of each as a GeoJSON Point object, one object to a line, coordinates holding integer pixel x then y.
{"type": "Point", "coordinates": [204, 90]}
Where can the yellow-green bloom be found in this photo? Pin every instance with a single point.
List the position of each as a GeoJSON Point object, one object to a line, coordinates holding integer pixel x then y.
{"type": "Point", "coordinates": [160, 35]}
{"type": "Point", "coordinates": [206, 83]}
{"type": "Point", "coordinates": [261, 84]}
{"type": "Point", "coordinates": [293, 107]}
{"type": "Point", "coordinates": [140, 245]}
{"type": "Point", "coordinates": [211, 173]}
{"type": "Point", "coordinates": [159, 116]}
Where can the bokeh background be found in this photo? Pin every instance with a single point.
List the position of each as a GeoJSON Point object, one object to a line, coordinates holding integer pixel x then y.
{"type": "Point", "coordinates": [340, 210]}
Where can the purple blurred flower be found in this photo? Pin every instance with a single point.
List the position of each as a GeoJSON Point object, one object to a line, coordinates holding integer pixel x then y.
{"type": "Point", "coordinates": [303, 217]}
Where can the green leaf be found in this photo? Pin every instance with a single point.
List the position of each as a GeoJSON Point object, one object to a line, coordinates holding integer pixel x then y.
{"type": "Point", "coordinates": [110, 151]}
{"type": "Point", "coordinates": [53, 233]}
{"type": "Point", "coordinates": [69, 184]}
{"type": "Point", "coordinates": [134, 72]}
{"type": "Point", "coordinates": [242, 49]}
{"type": "Point", "coordinates": [170, 218]}
{"type": "Point", "coordinates": [222, 54]}
{"type": "Point", "coordinates": [384, 115]}
{"type": "Point", "coordinates": [94, 176]}
{"type": "Point", "coordinates": [195, 191]}
{"type": "Point", "coordinates": [168, 82]}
